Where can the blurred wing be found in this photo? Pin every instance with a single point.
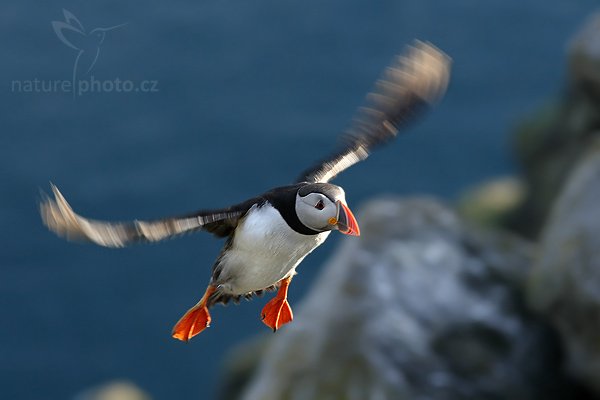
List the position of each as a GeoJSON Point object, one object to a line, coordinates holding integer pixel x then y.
{"type": "Point", "coordinates": [411, 84]}
{"type": "Point", "coordinates": [60, 218]}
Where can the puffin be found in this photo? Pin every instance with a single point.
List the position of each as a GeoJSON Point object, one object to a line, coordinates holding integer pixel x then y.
{"type": "Point", "coordinates": [268, 236]}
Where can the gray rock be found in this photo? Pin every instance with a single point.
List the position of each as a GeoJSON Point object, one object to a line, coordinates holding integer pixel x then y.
{"type": "Point", "coordinates": [565, 283]}
{"type": "Point", "coordinates": [421, 307]}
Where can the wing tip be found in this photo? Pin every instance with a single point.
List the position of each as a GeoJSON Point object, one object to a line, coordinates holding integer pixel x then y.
{"type": "Point", "coordinates": [58, 216]}
{"type": "Point", "coordinates": [416, 79]}
{"type": "Point", "coordinates": [424, 70]}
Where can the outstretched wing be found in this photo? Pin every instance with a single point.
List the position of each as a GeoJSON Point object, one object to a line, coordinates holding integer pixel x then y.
{"type": "Point", "coordinates": [411, 84]}
{"type": "Point", "coordinates": [60, 218]}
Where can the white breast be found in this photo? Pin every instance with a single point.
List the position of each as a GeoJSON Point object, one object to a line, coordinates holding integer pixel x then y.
{"type": "Point", "coordinates": [264, 251]}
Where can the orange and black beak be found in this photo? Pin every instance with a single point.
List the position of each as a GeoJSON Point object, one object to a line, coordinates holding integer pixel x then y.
{"type": "Point", "coordinates": [346, 223]}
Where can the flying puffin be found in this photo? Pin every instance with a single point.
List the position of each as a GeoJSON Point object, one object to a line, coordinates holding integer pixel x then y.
{"type": "Point", "coordinates": [269, 235]}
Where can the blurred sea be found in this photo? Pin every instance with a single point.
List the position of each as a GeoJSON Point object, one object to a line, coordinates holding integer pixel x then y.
{"type": "Point", "coordinates": [249, 94]}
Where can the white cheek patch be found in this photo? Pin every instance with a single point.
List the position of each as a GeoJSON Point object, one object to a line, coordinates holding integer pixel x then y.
{"type": "Point", "coordinates": [314, 218]}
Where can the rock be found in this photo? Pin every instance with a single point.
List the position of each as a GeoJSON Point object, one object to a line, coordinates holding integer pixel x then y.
{"type": "Point", "coordinates": [549, 143]}
{"type": "Point", "coordinates": [421, 307]}
{"type": "Point", "coordinates": [240, 363]}
{"type": "Point", "coordinates": [116, 390]}
{"type": "Point", "coordinates": [565, 283]}
{"type": "Point", "coordinates": [584, 60]}
{"type": "Point", "coordinates": [491, 203]}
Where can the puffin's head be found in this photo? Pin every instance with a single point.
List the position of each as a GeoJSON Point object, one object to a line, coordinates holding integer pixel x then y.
{"type": "Point", "coordinates": [322, 207]}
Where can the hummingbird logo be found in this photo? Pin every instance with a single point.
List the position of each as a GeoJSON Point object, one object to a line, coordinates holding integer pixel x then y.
{"type": "Point", "coordinates": [87, 44]}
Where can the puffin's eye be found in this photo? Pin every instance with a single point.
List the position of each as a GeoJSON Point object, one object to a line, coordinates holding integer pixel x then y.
{"type": "Point", "coordinates": [320, 205]}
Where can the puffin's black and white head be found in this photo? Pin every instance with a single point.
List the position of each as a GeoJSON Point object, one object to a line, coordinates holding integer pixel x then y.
{"type": "Point", "coordinates": [322, 207]}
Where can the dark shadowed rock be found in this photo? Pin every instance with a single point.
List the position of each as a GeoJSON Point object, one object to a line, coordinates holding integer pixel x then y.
{"type": "Point", "coordinates": [549, 143]}
{"type": "Point", "coordinates": [420, 307]}
{"type": "Point", "coordinates": [584, 60]}
{"type": "Point", "coordinates": [565, 284]}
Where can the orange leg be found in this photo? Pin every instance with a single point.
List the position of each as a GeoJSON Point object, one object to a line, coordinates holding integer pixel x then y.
{"type": "Point", "coordinates": [278, 312]}
{"type": "Point", "coordinates": [195, 320]}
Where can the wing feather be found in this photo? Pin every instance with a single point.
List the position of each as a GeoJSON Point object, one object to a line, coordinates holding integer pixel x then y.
{"type": "Point", "coordinates": [411, 84]}
{"type": "Point", "coordinates": [60, 218]}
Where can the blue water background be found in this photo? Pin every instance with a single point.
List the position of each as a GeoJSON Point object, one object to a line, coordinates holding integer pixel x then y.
{"type": "Point", "coordinates": [250, 93]}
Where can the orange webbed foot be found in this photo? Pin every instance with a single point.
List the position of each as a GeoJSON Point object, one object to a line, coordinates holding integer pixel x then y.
{"type": "Point", "coordinates": [195, 320]}
{"type": "Point", "coordinates": [278, 312]}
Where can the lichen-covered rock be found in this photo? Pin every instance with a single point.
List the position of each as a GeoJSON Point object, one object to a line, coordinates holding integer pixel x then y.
{"type": "Point", "coordinates": [420, 307]}
{"type": "Point", "coordinates": [491, 203]}
{"type": "Point", "coordinates": [115, 390]}
{"type": "Point", "coordinates": [565, 284]}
